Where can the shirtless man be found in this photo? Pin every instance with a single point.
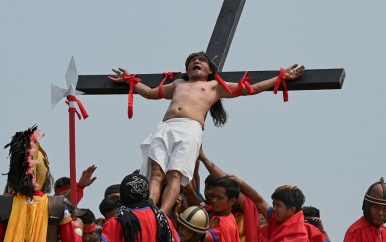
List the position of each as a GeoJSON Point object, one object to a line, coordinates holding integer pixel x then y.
{"type": "Point", "coordinates": [172, 149]}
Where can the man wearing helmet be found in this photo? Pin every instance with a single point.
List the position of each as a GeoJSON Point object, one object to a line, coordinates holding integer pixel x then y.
{"type": "Point", "coordinates": [192, 224]}
{"type": "Point", "coordinates": [370, 226]}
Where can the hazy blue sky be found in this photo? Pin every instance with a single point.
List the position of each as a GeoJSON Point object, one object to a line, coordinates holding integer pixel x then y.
{"type": "Point", "coordinates": [330, 143]}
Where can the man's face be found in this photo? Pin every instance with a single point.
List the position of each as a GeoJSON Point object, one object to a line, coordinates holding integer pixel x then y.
{"type": "Point", "coordinates": [378, 213]}
{"type": "Point", "coordinates": [185, 233]}
{"type": "Point", "coordinates": [208, 193]}
{"type": "Point", "coordinates": [220, 202]}
{"type": "Point", "coordinates": [88, 235]}
{"type": "Point", "coordinates": [198, 67]}
{"type": "Point", "coordinates": [281, 212]}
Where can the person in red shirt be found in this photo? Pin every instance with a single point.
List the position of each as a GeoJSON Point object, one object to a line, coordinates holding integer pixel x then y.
{"type": "Point", "coordinates": [370, 227]}
{"type": "Point", "coordinates": [223, 223]}
{"type": "Point", "coordinates": [285, 218]}
{"type": "Point", "coordinates": [138, 219]}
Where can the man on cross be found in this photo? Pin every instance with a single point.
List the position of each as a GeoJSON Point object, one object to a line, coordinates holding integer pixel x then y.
{"type": "Point", "coordinates": [172, 149]}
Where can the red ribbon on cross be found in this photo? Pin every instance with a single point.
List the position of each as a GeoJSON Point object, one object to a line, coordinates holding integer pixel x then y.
{"type": "Point", "coordinates": [132, 81]}
{"type": "Point", "coordinates": [281, 80]}
{"type": "Point", "coordinates": [72, 98]}
{"type": "Point", "coordinates": [166, 75]}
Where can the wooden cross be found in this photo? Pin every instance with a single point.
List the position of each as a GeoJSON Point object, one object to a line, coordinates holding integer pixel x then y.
{"type": "Point", "coordinates": [218, 47]}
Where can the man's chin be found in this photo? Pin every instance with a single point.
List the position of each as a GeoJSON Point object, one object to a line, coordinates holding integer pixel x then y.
{"type": "Point", "coordinates": [378, 222]}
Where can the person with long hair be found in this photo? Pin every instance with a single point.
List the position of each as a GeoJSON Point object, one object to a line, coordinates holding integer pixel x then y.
{"type": "Point", "coordinates": [170, 152]}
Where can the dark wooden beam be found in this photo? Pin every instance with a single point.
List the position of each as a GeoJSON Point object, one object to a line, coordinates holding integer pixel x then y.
{"type": "Point", "coordinates": [224, 31]}
{"type": "Point", "coordinates": [310, 80]}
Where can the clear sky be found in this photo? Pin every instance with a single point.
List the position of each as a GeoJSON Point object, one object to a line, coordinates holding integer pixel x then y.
{"type": "Point", "coordinates": [329, 143]}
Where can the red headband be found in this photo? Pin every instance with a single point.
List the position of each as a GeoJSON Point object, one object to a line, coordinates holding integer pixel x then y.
{"type": "Point", "coordinates": [89, 228]}
{"type": "Point", "coordinates": [62, 189]}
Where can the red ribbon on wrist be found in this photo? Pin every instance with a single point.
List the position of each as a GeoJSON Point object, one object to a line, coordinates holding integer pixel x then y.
{"type": "Point", "coordinates": [166, 75]}
{"type": "Point", "coordinates": [281, 80]}
{"type": "Point", "coordinates": [72, 98]}
{"type": "Point", "coordinates": [132, 80]}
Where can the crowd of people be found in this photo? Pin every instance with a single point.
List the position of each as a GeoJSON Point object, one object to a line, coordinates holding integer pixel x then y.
{"type": "Point", "coordinates": [162, 201]}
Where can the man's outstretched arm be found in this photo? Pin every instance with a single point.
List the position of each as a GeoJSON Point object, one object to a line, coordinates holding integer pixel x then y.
{"type": "Point", "coordinates": [291, 73]}
{"type": "Point", "coordinates": [142, 89]}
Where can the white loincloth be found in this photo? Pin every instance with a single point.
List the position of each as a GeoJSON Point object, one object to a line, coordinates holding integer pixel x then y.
{"type": "Point", "coordinates": [174, 145]}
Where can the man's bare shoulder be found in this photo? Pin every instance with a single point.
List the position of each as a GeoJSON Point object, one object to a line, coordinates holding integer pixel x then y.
{"type": "Point", "coordinates": [177, 81]}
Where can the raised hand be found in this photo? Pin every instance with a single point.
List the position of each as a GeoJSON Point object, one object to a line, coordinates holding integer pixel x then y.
{"type": "Point", "coordinates": [292, 72]}
{"type": "Point", "coordinates": [86, 179]}
{"type": "Point", "coordinates": [118, 76]}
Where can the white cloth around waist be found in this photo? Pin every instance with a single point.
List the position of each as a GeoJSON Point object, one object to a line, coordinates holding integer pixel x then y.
{"type": "Point", "coordinates": [174, 145]}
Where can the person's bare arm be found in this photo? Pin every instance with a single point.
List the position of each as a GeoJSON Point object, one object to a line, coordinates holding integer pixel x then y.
{"type": "Point", "coordinates": [213, 170]}
{"type": "Point", "coordinates": [291, 73]}
{"type": "Point", "coordinates": [191, 195]}
{"type": "Point", "coordinates": [321, 227]}
{"type": "Point", "coordinates": [261, 204]}
{"type": "Point", "coordinates": [142, 89]}
{"type": "Point", "coordinates": [196, 176]}
{"type": "Point", "coordinates": [216, 172]}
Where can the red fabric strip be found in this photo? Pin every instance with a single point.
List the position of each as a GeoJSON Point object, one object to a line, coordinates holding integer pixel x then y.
{"type": "Point", "coordinates": [62, 189]}
{"type": "Point", "coordinates": [132, 80]}
{"type": "Point", "coordinates": [222, 83]}
{"type": "Point", "coordinates": [281, 80]}
{"type": "Point", "coordinates": [166, 75]}
{"type": "Point", "coordinates": [244, 81]}
{"type": "Point", "coordinates": [71, 98]}
{"type": "Point", "coordinates": [89, 228]}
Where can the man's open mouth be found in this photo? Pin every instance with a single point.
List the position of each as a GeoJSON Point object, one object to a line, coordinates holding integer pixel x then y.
{"type": "Point", "coordinates": [196, 67]}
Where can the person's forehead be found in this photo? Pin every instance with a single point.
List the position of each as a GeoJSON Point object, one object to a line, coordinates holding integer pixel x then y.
{"type": "Point", "coordinates": [378, 205]}
{"type": "Point", "coordinates": [277, 201]}
{"type": "Point", "coordinates": [219, 190]}
{"type": "Point", "coordinates": [200, 57]}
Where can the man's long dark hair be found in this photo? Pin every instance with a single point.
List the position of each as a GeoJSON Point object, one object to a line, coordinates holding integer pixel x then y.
{"type": "Point", "coordinates": [217, 111]}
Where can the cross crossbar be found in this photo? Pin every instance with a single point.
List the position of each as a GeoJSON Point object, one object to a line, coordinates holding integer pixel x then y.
{"type": "Point", "coordinates": [218, 48]}
{"type": "Point", "coordinates": [317, 79]}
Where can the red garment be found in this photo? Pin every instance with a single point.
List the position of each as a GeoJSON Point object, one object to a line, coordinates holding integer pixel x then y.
{"type": "Point", "coordinates": [2, 231]}
{"type": "Point", "coordinates": [79, 194]}
{"type": "Point", "coordinates": [263, 233]}
{"type": "Point", "coordinates": [363, 231]}
{"type": "Point", "coordinates": [67, 233]}
{"type": "Point", "coordinates": [291, 230]}
{"type": "Point", "coordinates": [225, 229]}
{"type": "Point", "coordinates": [251, 220]}
{"type": "Point", "coordinates": [314, 234]}
{"type": "Point", "coordinates": [112, 229]}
